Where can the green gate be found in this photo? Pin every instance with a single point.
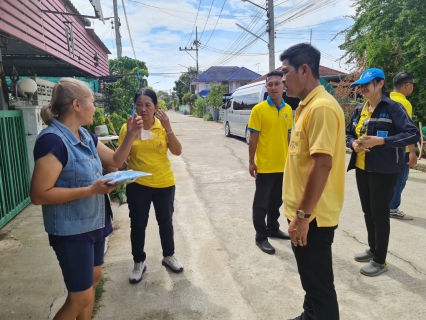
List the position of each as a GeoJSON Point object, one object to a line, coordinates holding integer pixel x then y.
{"type": "Point", "coordinates": [14, 167]}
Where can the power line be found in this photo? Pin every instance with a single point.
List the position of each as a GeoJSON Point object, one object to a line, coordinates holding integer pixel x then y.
{"type": "Point", "coordinates": [211, 6]}
{"type": "Point", "coordinates": [317, 24]}
{"type": "Point", "coordinates": [223, 5]}
{"type": "Point", "coordinates": [195, 22]}
{"type": "Point", "coordinates": [128, 28]}
{"type": "Point", "coordinates": [240, 37]}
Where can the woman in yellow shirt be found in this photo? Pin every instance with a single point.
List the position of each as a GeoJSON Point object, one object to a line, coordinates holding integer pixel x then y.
{"type": "Point", "coordinates": [378, 132]}
{"type": "Point", "coordinates": [149, 154]}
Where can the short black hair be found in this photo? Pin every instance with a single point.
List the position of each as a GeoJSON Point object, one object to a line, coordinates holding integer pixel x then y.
{"type": "Point", "coordinates": [303, 53]}
{"type": "Point", "coordinates": [274, 73]}
{"type": "Point", "coordinates": [401, 78]}
{"type": "Point", "coordinates": [146, 92]}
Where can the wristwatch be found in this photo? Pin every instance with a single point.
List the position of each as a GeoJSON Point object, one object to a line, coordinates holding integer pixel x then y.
{"type": "Point", "coordinates": [301, 214]}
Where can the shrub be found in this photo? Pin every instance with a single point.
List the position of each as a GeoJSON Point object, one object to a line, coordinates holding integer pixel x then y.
{"type": "Point", "coordinates": [200, 107]}
{"type": "Point", "coordinates": [208, 117]}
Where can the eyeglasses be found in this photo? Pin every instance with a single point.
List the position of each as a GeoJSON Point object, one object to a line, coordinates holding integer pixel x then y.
{"type": "Point", "coordinates": [414, 85]}
{"type": "Point", "coordinates": [364, 127]}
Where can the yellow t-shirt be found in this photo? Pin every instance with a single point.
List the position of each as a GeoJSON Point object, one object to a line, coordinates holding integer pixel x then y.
{"type": "Point", "coordinates": [319, 128]}
{"type": "Point", "coordinates": [400, 98]}
{"type": "Point", "coordinates": [151, 156]}
{"type": "Point", "coordinates": [273, 126]}
{"type": "Point", "coordinates": [360, 156]}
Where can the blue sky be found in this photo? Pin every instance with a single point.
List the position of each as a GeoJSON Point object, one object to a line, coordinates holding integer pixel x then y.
{"type": "Point", "coordinates": [160, 27]}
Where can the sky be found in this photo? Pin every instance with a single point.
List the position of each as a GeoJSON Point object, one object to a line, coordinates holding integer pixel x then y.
{"type": "Point", "coordinates": [159, 27]}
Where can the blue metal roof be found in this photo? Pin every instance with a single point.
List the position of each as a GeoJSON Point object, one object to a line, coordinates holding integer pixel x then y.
{"type": "Point", "coordinates": [225, 74]}
{"type": "Point", "coordinates": [204, 93]}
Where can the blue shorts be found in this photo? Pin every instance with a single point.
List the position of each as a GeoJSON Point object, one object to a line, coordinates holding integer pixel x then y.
{"type": "Point", "coordinates": [77, 260]}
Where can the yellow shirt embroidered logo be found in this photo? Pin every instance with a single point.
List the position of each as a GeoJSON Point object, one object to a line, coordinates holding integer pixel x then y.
{"type": "Point", "coordinates": [160, 145]}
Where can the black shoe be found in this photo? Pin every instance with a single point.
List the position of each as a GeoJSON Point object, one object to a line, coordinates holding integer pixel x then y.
{"type": "Point", "coordinates": [279, 234]}
{"type": "Point", "coordinates": [301, 317]}
{"type": "Point", "coordinates": [265, 246]}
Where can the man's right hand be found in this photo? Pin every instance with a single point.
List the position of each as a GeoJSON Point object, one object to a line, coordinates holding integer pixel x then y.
{"type": "Point", "coordinates": [253, 170]}
{"type": "Point", "coordinates": [357, 148]}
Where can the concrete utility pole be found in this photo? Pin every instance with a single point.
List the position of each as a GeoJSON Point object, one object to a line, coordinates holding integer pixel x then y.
{"type": "Point", "coordinates": [117, 30]}
{"type": "Point", "coordinates": [196, 43]}
{"type": "Point", "coordinates": [271, 31]}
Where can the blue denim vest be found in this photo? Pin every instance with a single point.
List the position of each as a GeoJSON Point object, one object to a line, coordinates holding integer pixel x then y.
{"type": "Point", "coordinates": [83, 169]}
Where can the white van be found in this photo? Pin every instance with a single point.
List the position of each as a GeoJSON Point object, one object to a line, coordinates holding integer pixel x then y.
{"type": "Point", "coordinates": [238, 108]}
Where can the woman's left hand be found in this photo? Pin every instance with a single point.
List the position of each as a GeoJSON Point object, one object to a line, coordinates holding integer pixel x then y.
{"type": "Point", "coordinates": [370, 141]}
{"type": "Point", "coordinates": [134, 125]}
{"type": "Point", "coordinates": [164, 119]}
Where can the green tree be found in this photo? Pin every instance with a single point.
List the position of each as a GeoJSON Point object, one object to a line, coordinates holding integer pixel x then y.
{"type": "Point", "coordinates": [182, 85]}
{"type": "Point", "coordinates": [200, 107]}
{"type": "Point", "coordinates": [390, 34]}
{"type": "Point", "coordinates": [189, 98]}
{"type": "Point", "coordinates": [165, 96]}
{"type": "Point", "coordinates": [122, 92]}
{"type": "Point", "coordinates": [215, 96]}
{"type": "Point", "coordinates": [162, 105]}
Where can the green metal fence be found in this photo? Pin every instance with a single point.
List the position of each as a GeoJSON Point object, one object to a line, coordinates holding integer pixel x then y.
{"type": "Point", "coordinates": [14, 167]}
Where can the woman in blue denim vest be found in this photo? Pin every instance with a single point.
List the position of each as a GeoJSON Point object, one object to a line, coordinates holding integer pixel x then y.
{"type": "Point", "coordinates": [67, 182]}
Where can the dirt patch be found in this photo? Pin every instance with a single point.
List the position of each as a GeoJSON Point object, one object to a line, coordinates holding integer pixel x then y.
{"type": "Point", "coordinates": [9, 244]}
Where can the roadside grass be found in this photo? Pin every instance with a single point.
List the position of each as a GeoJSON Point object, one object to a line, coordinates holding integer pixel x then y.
{"type": "Point", "coordinates": [98, 294]}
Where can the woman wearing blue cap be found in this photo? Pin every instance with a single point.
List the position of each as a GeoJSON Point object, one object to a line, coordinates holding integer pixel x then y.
{"type": "Point", "coordinates": [378, 131]}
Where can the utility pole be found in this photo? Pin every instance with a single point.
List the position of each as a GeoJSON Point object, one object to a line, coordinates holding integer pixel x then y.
{"type": "Point", "coordinates": [196, 43]}
{"type": "Point", "coordinates": [117, 30]}
{"type": "Point", "coordinates": [271, 31]}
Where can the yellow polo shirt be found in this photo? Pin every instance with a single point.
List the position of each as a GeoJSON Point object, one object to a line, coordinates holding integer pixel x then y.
{"type": "Point", "coordinates": [273, 125]}
{"type": "Point", "coordinates": [360, 156]}
{"type": "Point", "coordinates": [151, 156]}
{"type": "Point", "coordinates": [319, 128]}
{"type": "Point", "coordinates": [400, 98]}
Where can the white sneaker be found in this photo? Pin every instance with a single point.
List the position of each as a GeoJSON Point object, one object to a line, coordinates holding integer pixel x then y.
{"type": "Point", "coordinates": [172, 263]}
{"type": "Point", "coordinates": [398, 214]}
{"type": "Point", "coordinates": [138, 270]}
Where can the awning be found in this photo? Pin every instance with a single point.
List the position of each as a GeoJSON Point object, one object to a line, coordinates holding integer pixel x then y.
{"type": "Point", "coordinates": [98, 9]}
{"type": "Point", "coordinates": [204, 93]}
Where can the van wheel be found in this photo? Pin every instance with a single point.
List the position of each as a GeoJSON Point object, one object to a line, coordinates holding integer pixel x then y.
{"type": "Point", "coordinates": [247, 135]}
{"type": "Point", "coordinates": [227, 130]}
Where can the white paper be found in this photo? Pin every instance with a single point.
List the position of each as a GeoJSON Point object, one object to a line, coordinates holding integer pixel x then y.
{"type": "Point", "coordinates": [147, 135]}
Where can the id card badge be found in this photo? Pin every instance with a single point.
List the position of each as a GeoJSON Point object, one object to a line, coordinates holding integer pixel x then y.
{"type": "Point", "coordinates": [382, 134]}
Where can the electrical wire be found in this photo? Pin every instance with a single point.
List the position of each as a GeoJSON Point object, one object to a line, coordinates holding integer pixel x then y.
{"type": "Point", "coordinates": [195, 22]}
{"type": "Point", "coordinates": [211, 6]}
{"type": "Point", "coordinates": [238, 39]}
{"type": "Point", "coordinates": [128, 29]}
{"type": "Point", "coordinates": [223, 5]}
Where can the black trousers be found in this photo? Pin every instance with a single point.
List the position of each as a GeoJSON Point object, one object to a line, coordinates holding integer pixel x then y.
{"type": "Point", "coordinates": [139, 200]}
{"type": "Point", "coordinates": [315, 266]}
{"type": "Point", "coordinates": [376, 192]}
{"type": "Point", "coordinates": [266, 204]}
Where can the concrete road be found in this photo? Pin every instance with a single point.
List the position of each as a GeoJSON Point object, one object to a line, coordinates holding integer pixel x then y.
{"type": "Point", "coordinates": [226, 276]}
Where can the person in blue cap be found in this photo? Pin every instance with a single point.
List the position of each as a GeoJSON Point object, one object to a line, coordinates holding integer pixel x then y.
{"type": "Point", "coordinates": [378, 131]}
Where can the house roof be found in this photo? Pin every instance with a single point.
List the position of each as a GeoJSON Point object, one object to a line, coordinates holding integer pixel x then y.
{"type": "Point", "coordinates": [225, 74]}
{"type": "Point", "coordinates": [323, 71]}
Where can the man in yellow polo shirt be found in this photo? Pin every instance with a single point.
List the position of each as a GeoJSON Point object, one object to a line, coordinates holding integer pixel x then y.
{"type": "Point", "coordinates": [269, 125]}
{"type": "Point", "coordinates": [314, 179]}
{"type": "Point", "coordinates": [403, 86]}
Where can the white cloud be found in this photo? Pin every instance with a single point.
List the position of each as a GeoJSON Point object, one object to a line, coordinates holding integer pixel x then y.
{"type": "Point", "coordinates": [159, 28]}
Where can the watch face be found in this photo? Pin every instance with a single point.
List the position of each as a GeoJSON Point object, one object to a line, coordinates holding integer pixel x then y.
{"type": "Point", "coordinates": [300, 214]}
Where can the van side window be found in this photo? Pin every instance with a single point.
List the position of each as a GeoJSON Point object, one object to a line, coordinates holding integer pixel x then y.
{"type": "Point", "coordinates": [246, 101]}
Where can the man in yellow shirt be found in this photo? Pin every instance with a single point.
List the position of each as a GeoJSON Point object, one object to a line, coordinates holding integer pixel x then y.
{"type": "Point", "coordinates": [403, 86]}
{"type": "Point", "coordinates": [269, 125]}
{"type": "Point", "coordinates": [314, 179]}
